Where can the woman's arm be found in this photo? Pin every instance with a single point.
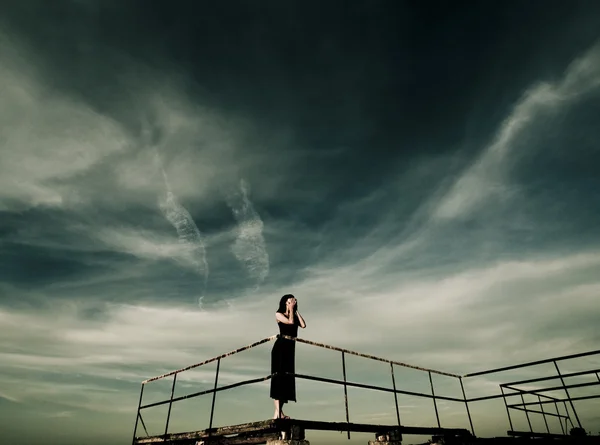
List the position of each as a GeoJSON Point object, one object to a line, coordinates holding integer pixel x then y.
{"type": "Point", "coordinates": [285, 318]}
{"type": "Point", "coordinates": [301, 320]}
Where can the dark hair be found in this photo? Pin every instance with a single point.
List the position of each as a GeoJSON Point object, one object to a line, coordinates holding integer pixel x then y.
{"type": "Point", "coordinates": [282, 303]}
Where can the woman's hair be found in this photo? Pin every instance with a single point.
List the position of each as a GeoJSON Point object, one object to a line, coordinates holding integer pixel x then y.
{"type": "Point", "coordinates": [282, 303]}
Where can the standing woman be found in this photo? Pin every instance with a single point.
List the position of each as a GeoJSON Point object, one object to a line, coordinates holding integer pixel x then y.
{"type": "Point", "coordinates": [283, 387]}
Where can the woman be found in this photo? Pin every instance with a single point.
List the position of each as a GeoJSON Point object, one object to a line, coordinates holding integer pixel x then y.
{"type": "Point", "coordinates": [283, 387]}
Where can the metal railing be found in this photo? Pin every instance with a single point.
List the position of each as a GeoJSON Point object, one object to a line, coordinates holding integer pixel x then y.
{"type": "Point", "coordinates": [523, 406]}
{"type": "Point", "coordinates": [344, 382]}
{"type": "Point", "coordinates": [511, 386]}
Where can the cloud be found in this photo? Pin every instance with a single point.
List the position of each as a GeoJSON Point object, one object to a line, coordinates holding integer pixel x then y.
{"type": "Point", "coordinates": [440, 323]}
{"type": "Point", "coordinates": [190, 238]}
{"type": "Point", "coordinates": [48, 139]}
{"type": "Point", "coordinates": [249, 247]}
{"type": "Point", "coordinates": [485, 179]}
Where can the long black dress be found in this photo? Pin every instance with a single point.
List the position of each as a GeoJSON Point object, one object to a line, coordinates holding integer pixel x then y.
{"type": "Point", "coordinates": [283, 355]}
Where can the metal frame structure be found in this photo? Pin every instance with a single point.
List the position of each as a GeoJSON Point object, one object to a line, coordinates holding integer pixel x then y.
{"type": "Point", "coordinates": [526, 407]}
{"type": "Point", "coordinates": [348, 426]}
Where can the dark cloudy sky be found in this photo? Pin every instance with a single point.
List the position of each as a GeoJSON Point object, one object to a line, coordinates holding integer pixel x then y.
{"type": "Point", "coordinates": [422, 175]}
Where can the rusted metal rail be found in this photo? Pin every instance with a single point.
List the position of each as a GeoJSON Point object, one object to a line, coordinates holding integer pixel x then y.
{"type": "Point", "coordinates": [259, 432]}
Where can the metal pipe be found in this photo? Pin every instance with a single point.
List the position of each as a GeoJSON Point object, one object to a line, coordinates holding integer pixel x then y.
{"type": "Point", "coordinates": [210, 360]}
{"type": "Point", "coordinates": [144, 425]}
{"type": "Point", "coordinates": [536, 392]}
{"type": "Point", "coordinates": [538, 362]}
{"type": "Point", "coordinates": [595, 396]}
{"type": "Point", "coordinates": [170, 404]}
{"type": "Point", "coordinates": [345, 392]}
{"type": "Point", "coordinates": [518, 408]}
{"type": "Point", "coordinates": [437, 416]}
{"type": "Point", "coordinates": [372, 357]}
{"type": "Point", "coordinates": [562, 428]}
{"type": "Point", "coordinates": [543, 414]}
{"type": "Point", "coordinates": [507, 410]}
{"type": "Point", "coordinates": [208, 391]}
{"type": "Point", "coordinates": [212, 408]}
{"type": "Point", "coordinates": [138, 414]}
{"type": "Point", "coordinates": [462, 387]}
{"type": "Point", "coordinates": [377, 388]}
{"type": "Point", "coordinates": [555, 388]}
{"type": "Point", "coordinates": [552, 377]}
{"type": "Point", "coordinates": [567, 392]}
{"type": "Point", "coordinates": [568, 419]}
{"type": "Point", "coordinates": [526, 413]}
{"type": "Point", "coordinates": [395, 395]}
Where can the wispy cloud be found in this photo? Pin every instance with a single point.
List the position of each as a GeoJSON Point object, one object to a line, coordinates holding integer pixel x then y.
{"type": "Point", "coordinates": [249, 248]}
{"type": "Point", "coordinates": [48, 139]}
{"type": "Point", "coordinates": [190, 239]}
{"type": "Point", "coordinates": [486, 178]}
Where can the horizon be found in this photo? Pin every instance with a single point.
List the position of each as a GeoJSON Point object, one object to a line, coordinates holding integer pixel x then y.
{"type": "Point", "coordinates": [421, 176]}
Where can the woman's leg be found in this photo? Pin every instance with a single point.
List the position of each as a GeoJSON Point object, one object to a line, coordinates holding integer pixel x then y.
{"type": "Point", "coordinates": [281, 414]}
{"type": "Point", "coordinates": [277, 409]}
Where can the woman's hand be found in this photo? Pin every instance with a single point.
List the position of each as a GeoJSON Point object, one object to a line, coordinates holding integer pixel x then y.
{"type": "Point", "coordinates": [290, 306]}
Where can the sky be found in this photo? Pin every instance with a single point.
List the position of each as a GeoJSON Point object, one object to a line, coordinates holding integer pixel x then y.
{"type": "Point", "coordinates": [422, 176]}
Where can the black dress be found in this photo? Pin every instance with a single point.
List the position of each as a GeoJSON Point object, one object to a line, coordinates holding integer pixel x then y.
{"type": "Point", "coordinates": [283, 354]}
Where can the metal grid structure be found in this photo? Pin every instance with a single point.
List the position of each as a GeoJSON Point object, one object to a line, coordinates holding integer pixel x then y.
{"type": "Point", "coordinates": [270, 426]}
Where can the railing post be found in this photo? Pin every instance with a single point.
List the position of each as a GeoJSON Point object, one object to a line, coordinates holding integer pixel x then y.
{"type": "Point", "coordinates": [568, 395]}
{"type": "Point", "coordinates": [137, 417]}
{"type": "Point", "coordinates": [170, 403]}
{"type": "Point", "coordinates": [543, 413]}
{"type": "Point", "coordinates": [467, 405]}
{"type": "Point", "coordinates": [345, 392]}
{"type": "Point", "coordinates": [568, 419]}
{"type": "Point", "coordinates": [507, 408]}
{"type": "Point", "coordinates": [212, 408]}
{"type": "Point", "coordinates": [437, 416]}
{"type": "Point", "coordinates": [395, 395]}
{"type": "Point", "coordinates": [526, 412]}
{"type": "Point", "coordinates": [562, 428]}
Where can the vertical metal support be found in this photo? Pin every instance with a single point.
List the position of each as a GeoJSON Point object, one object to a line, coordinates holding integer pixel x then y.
{"type": "Point", "coordinates": [345, 391]}
{"type": "Point", "coordinates": [212, 408]}
{"type": "Point", "coordinates": [568, 419]}
{"type": "Point", "coordinates": [598, 376]}
{"type": "Point", "coordinates": [170, 403]}
{"type": "Point", "coordinates": [467, 405]}
{"type": "Point", "coordinates": [437, 416]}
{"type": "Point", "coordinates": [507, 409]}
{"type": "Point", "coordinates": [543, 414]}
{"type": "Point", "coordinates": [395, 395]}
{"type": "Point", "coordinates": [526, 412]}
{"type": "Point", "coordinates": [562, 428]}
{"type": "Point", "coordinates": [137, 417]}
{"type": "Point", "coordinates": [567, 392]}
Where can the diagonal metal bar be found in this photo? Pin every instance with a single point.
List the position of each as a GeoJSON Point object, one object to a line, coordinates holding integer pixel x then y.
{"type": "Point", "coordinates": [137, 417]}
{"type": "Point", "coordinates": [527, 414]}
{"type": "Point", "coordinates": [565, 387]}
{"type": "Point", "coordinates": [395, 394]}
{"type": "Point", "coordinates": [345, 392]}
{"type": "Point", "coordinates": [212, 408]}
{"type": "Point", "coordinates": [170, 404]}
{"type": "Point", "coordinates": [437, 415]}
{"type": "Point", "coordinates": [543, 414]}
{"type": "Point", "coordinates": [462, 387]}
